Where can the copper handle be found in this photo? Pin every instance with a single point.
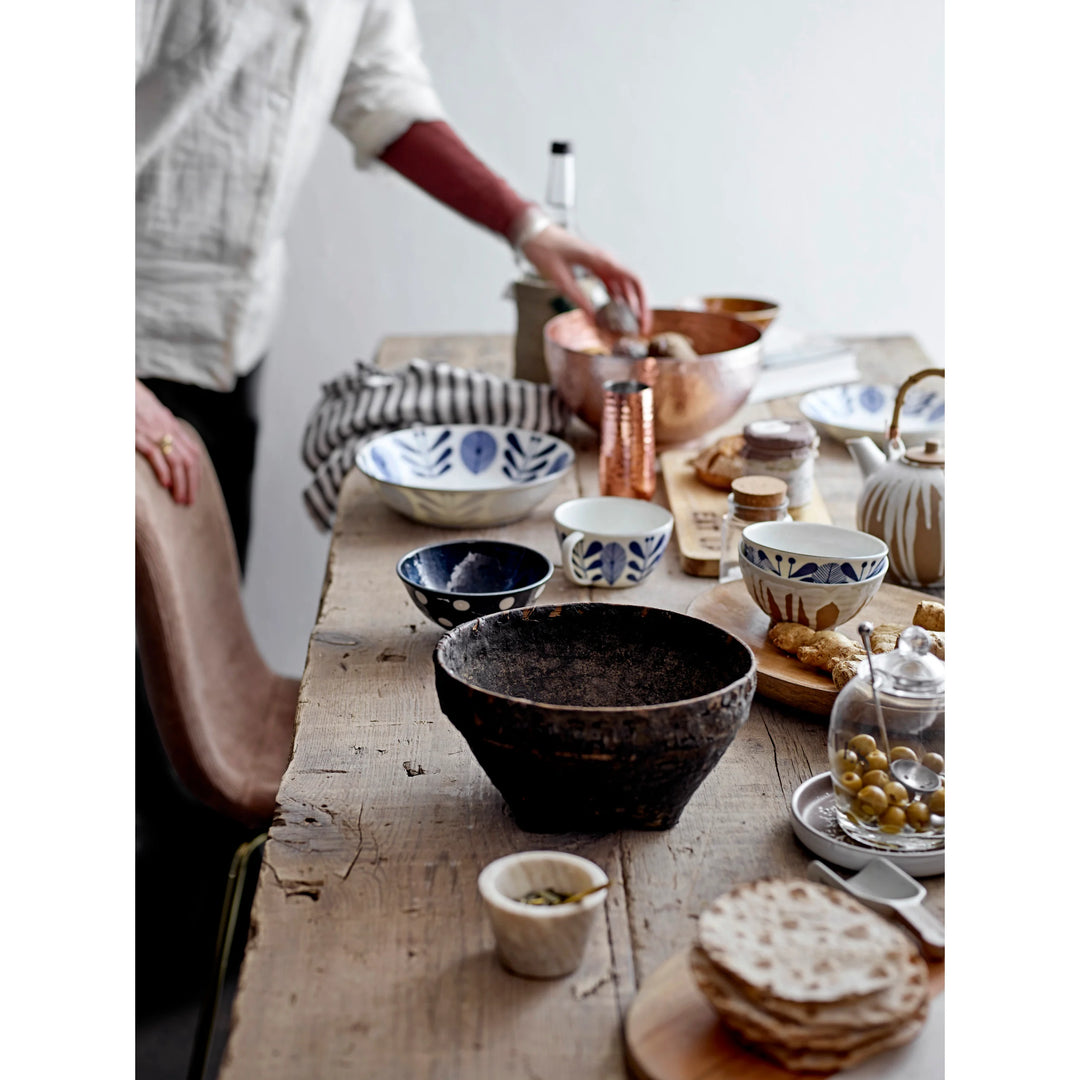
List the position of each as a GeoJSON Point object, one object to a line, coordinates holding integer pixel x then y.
{"type": "Point", "coordinates": [908, 383]}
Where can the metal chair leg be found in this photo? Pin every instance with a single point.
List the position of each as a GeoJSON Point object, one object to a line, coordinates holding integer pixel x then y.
{"type": "Point", "coordinates": [230, 913]}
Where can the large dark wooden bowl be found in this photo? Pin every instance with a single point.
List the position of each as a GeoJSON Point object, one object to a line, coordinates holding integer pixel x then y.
{"type": "Point", "coordinates": [590, 717]}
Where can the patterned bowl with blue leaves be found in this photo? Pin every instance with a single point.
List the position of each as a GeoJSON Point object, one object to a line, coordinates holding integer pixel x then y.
{"type": "Point", "coordinates": [464, 475]}
{"type": "Point", "coordinates": [611, 542]}
{"type": "Point", "coordinates": [817, 575]}
{"type": "Point", "coordinates": [458, 580]}
{"type": "Point", "coordinates": [806, 551]}
{"type": "Point", "coordinates": [848, 412]}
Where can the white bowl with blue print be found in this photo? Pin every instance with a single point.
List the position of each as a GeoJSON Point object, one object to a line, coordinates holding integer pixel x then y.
{"type": "Point", "coordinates": [457, 580]}
{"type": "Point", "coordinates": [464, 475]}
{"type": "Point", "coordinates": [821, 554]}
{"type": "Point", "coordinates": [847, 412]}
{"type": "Point", "coordinates": [817, 575]}
{"type": "Point", "coordinates": [611, 542]}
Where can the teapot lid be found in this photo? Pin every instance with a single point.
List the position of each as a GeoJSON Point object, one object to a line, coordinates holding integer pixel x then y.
{"type": "Point", "coordinates": [911, 669]}
{"type": "Point", "coordinates": [932, 453]}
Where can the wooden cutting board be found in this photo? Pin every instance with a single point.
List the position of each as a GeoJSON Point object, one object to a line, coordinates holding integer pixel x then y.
{"type": "Point", "coordinates": [781, 677]}
{"type": "Point", "coordinates": [672, 1031]}
{"type": "Point", "coordinates": [698, 510]}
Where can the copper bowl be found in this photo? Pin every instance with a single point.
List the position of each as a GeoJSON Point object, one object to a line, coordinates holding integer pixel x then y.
{"type": "Point", "coordinates": [758, 312]}
{"type": "Point", "coordinates": [691, 397]}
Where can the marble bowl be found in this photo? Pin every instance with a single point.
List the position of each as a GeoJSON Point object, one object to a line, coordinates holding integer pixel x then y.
{"type": "Point", "coordinates": [589, 717]}
{"type": "Point", "coordinates": [540, 941]}
{"type": "Point", "coordinates": [458, 580]}
{"type": "Point", "coordinates": [690, 397]}
{"type": "Point", "coordinates": [464, 475]}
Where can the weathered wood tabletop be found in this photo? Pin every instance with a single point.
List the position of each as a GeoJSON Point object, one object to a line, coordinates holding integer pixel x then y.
{"type": "Point", "coordinates": [369, 955]}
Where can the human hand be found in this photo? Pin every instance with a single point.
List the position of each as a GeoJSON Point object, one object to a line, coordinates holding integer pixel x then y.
{"type": "Point", "coordinates": [555, 252]}
{"type": "Point", "coordinates": [163, 442]}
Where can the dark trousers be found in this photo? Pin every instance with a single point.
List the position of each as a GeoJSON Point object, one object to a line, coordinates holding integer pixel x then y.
{"type": "Point", "coordinates": [227, 424]}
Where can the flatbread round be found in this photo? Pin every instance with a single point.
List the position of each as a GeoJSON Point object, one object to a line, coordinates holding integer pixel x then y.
{"type": "Point", "coordinates": [800, 942]}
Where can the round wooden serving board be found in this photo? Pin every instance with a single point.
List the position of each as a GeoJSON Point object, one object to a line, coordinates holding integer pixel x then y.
{"type": "Point", "coordinates": [781, 677]}
{"type": "Point", "coordinates": [672, 1031]}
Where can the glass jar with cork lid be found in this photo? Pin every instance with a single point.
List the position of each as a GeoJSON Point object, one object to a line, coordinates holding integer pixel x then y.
{"type": "Point", "coordinates": [752, 498]}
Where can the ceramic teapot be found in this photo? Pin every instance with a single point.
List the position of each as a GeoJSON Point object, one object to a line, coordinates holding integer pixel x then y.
{"type": "Point", "coordinates": [903, 499]}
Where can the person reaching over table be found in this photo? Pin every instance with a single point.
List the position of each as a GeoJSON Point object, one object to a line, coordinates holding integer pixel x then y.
{"type": "Point", "coordinates": [231, 96]}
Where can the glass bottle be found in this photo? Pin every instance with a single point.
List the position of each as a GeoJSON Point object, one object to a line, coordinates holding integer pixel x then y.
{"type": "Point", "coordinates": [752, 498]}
{"type": "Point", "coordinates": [536, 299]}
{"type": "Point", "coordinates": [560, 200]}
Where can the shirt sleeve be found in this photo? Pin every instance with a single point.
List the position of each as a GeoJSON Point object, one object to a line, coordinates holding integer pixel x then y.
{"type": "Point", "coordinates": [387, 87]}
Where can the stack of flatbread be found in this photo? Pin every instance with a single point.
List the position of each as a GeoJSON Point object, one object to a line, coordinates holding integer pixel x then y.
{"type": "Point", "coordinates": [807, 976]}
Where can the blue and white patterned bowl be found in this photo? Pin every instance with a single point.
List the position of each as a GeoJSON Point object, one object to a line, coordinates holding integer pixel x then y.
{"type": "Point", "coordinates": [818, 575]}
{"type": "Point", "coordinates": [464, 475]}
{"type": "Point", "coordinates": [820, 607]}
{"type": "Point", "coordinates": [611, 542]}
{"type": "Point", "coordinates": [821, 554]}
{"type": "Point", "coordinates": [459, 580]}
{"type": "Point", "coordinates": [847, 412]}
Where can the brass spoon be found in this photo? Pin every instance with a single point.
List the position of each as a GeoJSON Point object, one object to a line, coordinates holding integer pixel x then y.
{"type": "Point", "coordinates": [573, 898]}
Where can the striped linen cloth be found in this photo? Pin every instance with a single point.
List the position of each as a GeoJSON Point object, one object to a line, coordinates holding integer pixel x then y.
{"type": "Point", "coordinates": [359, 405]}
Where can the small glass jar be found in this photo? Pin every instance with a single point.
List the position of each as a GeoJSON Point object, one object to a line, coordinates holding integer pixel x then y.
{"type": "Point", "coordinates": [752, 498]}
{"type": "Point", "coordinates": [784, 449]}
{"type": "Point", "coordinates": [887, 749]}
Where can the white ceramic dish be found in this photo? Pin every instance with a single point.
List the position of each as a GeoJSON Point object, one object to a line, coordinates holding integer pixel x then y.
{"type": "Point", "coordinates": [464, 475]}
{"type": "Point", "coordinates": [847, 412]}
{"type": "Point", "coordinates": [813, 817]}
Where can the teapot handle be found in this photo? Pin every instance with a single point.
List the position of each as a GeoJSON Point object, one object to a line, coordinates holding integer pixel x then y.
{"type": "Point", "coordinates": [894, 426]}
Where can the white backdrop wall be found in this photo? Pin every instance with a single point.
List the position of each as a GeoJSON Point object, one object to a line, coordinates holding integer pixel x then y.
{"type": "Point", "coordinates": [789, 148]}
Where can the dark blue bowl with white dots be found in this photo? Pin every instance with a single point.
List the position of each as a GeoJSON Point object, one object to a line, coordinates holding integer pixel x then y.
{"type": "Point", "coordinates": [458, 580]}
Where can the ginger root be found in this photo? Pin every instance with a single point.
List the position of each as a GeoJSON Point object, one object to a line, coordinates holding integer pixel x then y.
{"type": "Point", "coordinates": [789, 636]}
{"type": "Point", "coordinates": [843, 672]}
{"type": "Point", "coordinates": [929, 615]}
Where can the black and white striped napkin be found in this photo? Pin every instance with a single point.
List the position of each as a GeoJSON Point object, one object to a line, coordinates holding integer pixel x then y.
{"type": "Point", "coordinates": [359, 405]}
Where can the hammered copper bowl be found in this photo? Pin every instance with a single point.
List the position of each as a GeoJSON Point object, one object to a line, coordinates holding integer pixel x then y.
{"type": "Point", "coordinates": [690, 397]}
{"type": "Point", "coordinates": [589, 717]}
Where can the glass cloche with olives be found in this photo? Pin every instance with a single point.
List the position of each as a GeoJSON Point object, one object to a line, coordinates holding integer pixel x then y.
{"type": "Point", "coordinates": [887, 748]}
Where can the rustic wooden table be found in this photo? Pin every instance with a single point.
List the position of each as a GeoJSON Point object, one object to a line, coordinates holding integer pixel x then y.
{"type": "Point", "coordinates": [369, 955]}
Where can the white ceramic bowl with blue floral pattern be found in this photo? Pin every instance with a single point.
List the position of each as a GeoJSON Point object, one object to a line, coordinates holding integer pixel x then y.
{"type": "Point", "coordinates": [818, 606]}
{"type": "Point", "coordinates": [464, 475]}
{"type": "Point", "coordinates": [807, 551]}
{"type": "Point", "coordinates": [611, 542]}
{"type": "Point", "coordinates": [848, 412]}
{"type": "Point", "coordinates": [817, 575]}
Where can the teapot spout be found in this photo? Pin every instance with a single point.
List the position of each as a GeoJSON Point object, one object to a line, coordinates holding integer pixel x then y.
{"type": "Point", "coordinates": [867, 456]}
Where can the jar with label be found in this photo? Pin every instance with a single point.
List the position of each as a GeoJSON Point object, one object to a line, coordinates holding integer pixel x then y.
{"type": "Point", "coordinates": [784, 449]}
{"type": "Point", "coordinates": [752, 498]}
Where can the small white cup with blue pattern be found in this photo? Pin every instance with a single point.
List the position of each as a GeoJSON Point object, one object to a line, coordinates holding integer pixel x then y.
{"type": "Point", "coordinates": [611, 542]}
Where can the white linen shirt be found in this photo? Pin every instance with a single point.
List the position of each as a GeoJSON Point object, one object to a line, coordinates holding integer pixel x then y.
{"type": "Point", "coordinates": [231, 99]}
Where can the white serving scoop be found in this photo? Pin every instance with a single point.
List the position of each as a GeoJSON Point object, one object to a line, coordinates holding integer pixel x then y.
{"type": "Point", "coordinates": [888, 890]}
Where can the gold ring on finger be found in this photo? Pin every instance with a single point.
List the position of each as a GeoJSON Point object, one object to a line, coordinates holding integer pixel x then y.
{"type": "Point", "coordinates": [165, 442]}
